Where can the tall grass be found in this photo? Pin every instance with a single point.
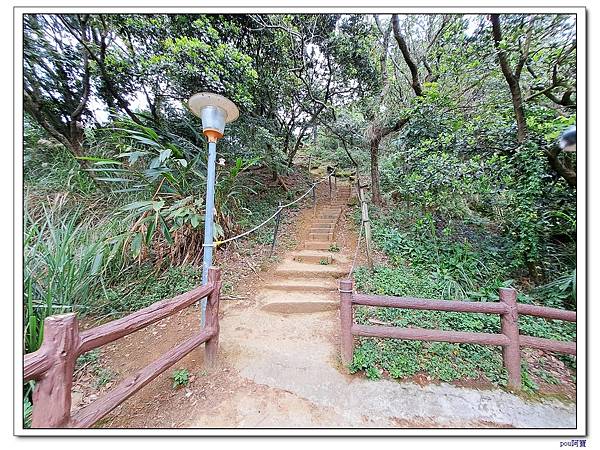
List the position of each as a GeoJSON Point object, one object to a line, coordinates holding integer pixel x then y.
{"type": "Point", "coordinates": [65, 260]}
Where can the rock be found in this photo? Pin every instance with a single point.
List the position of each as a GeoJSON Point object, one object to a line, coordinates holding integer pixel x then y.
{"type": "Point", "coordinates": [76, 398]}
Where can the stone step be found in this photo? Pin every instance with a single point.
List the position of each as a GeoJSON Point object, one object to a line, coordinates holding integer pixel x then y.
{"type": "Point", "coordinates": [329, 228]}
{"type": "Point", "coordinates": [303, 284]}
{"type": "Point", "coordinates": [327, 216]}
{"type": "Point", "coordinates": [301, 269]}
{"type": "Point", "coordinates": [317, 255]}
{"type": "Point", "coordinates": [314, 259]}
{"type": "Point", "coordinates": [319, 236]}
{"type": "Point", "coordinates": [327, 233]}
{"type": "Point", "coordinates": [317, 245]}
{"type": "Point", "coordinates": [297, 302]}
{"type": "Point", "coordinates": [323, 226]}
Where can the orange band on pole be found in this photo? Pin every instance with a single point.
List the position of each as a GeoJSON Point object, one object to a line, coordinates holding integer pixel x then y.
{"type": "Point", "coordinates": [212, 135]}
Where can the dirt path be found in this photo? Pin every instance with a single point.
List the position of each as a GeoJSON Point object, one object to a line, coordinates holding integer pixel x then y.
{"type": "Point", "coordinates": [278, 362]}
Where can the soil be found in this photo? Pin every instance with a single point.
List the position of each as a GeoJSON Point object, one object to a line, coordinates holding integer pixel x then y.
{"type": "Point", "coordinates": [278, 363]}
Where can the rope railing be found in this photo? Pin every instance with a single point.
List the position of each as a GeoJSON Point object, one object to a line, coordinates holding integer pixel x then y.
{"type": "Point", "coordinates": [362, 225]}
{"type": "Point", "coordinates": [365, 224]}
{"type": "Point", "coordinates": [280, 208]}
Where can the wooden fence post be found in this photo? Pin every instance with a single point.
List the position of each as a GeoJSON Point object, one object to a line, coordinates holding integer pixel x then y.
{"type": "Point", "coordinates": [509, 323]}
{"type": "Point", "coordinates": [347, 341]}
{"type": "Point", "coordinates": [52, 393]}
{"type": "Point", "coordinates": [367, 224]}
{"type": "Point", "coordinates": [212, 316]}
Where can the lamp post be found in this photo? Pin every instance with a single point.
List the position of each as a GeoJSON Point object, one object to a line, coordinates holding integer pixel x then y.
{"type": "Point", "coordinates": [215, 111]}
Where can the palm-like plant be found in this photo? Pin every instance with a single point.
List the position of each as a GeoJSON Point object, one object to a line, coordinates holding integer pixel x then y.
{"type": "Point", "coordinates": [168, 181]}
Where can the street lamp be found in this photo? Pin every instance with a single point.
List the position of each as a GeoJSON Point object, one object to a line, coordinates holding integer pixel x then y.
{"type": "Point", "coordinates": [215, 111]}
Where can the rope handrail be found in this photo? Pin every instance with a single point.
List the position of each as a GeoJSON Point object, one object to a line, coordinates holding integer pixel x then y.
{"type": "Point", "coordinates": [362, 225]}
{"type": "Point", "coordinates": [215, 244]}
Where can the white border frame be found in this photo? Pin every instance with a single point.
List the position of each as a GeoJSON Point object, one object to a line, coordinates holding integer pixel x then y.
{"type": "Point", "coordinates": [427, 7]}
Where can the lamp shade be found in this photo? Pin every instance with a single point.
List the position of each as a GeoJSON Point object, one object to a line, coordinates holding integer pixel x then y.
{"type": "Point", "coordinates": [214, 110]}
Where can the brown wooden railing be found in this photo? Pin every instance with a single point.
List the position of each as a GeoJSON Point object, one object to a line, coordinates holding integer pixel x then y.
{"type": "Point", "coordinates": [52, 365]}
{"type": "Point", "coordinates": [509, 339]}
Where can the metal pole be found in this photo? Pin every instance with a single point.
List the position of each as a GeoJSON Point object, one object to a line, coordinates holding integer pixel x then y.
{"type": "Point", "coordinates": [330, 187]}
{"type": "Point", "coordinates": [277, 220]}
{"type": "Point", "coordinates": [208, 219]}
{"type": "Point", "coordinates": [314, 196]}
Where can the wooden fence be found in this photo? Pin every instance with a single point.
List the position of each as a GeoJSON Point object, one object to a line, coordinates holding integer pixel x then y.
{"type": "Point", "coordinates": [52, 365]}
{"type": "Point", "coordinates": [509, 339]}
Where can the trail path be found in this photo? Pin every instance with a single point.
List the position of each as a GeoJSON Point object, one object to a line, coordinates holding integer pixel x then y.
{"type": "Point", "coordinates": [278, 361]}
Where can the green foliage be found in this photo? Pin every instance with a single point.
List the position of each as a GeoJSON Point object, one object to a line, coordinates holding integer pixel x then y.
{"type": "Point", "coordinates": [27, 412]}
{"type": "Point", "coordinates": [180, 378]}
{"type": "Point", "coordinates": [65, 261]}
{"type": "Point", "coordinates": [91, 357]}
{"type": "Point", "coordinates": [436, 258]}
{"type": "Point", "coordinates": [167, 177]}
{"type": "Point", "coordinates": [27, 405]}
{"type": "Point", "coordinates": [528, 384]}
{"type": "Point", "coordinates": [207, 62]}
{"type": "Point", "coordinates": [49, 167]}
{"type": "Point", "coordinates": [145, 286]}
{"type": "Point", "coordinates": [103, 376]}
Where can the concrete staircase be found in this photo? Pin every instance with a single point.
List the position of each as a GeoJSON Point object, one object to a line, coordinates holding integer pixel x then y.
{"type": "Point", "coordinates": [306, 280]}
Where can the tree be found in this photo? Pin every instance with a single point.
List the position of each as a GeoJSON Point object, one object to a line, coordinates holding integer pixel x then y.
{"type": "Point", "coordinates": [542, 45]}
{"type": "Point", "coordinates": [380, 127]}
{"type": "Point", "coordinates": [56, 78]}
{"type": "Point", "coordinates": [513, 76]}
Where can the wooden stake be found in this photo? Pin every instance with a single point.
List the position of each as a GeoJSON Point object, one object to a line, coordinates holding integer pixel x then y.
{"type": "Point", "coordinates": [509, 324]}
{"type": "Point", "coordinates": [52, 393]}
{"type": "Point", "coordinates": [367, 226]}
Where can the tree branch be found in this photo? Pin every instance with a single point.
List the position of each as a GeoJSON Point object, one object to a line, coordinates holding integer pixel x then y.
{"type": "Point", "coordinates": [416, 84]}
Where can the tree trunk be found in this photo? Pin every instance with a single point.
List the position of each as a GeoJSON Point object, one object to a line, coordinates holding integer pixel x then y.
{"type": "Point", "coordinates": [375, 191]}
{"type": "Point", "coordinates": [517, 101]}
{"type": "Point", "coordinates": [296, 146]}
{"type": "Point", "coordinates": [512, 79]}
{"type": "Point", "coordinates": [75, 141]}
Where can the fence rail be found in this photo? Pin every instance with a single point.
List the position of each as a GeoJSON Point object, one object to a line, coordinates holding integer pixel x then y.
{"type": "Point", "coordinates": [509, 338]}
{"type": "Point", "coordinates": [53, 364]}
